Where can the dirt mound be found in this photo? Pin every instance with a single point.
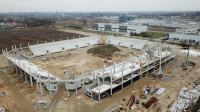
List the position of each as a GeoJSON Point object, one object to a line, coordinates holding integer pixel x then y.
{"type": "Point", "coordinates": [103, 51]}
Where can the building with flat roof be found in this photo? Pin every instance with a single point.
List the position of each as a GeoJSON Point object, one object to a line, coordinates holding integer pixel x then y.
{"type": "Point", "coordinates": [123, 28]}
{"type": "Point", "coordinates": [185, 38]}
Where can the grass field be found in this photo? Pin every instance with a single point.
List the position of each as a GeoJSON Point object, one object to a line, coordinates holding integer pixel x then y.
{"type": "Point", "coordinates": [105, 32]}
{"type": "Point", "coordinates": [151, 35]}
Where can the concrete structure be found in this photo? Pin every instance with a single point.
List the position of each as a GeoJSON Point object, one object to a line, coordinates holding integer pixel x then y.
{"type": "Point", "coordinates": [123, 28]}
{"type": "Point", "coordinates": [110, 79]}
{"type": "Point", "coordinates": [97, 83]}
{"type": "Point", "coordinates": [185, 99]}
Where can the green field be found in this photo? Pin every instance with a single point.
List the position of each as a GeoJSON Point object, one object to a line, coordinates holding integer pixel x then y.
{"type": "Point", "coordinates": [99, 32]}
{"type": "Point", "coordinates": [2, 28]}
{"type": "Point", "coordinates": [151, 35]}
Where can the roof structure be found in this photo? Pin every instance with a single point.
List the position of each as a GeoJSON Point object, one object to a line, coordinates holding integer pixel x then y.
{"type": "Point", "coordinates": [59, 46]}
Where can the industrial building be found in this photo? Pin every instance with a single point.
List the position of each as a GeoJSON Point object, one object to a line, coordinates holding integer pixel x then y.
{"type": "Point", "coordinates": [97, 83]}
{"type": "Point", "coordinates": [123, 28]}
{"type": "Point", "coordinates": [191, 31]}
{"type": "Point", "coordinates": [171, 23]}
{"type": "Point", "coordinates": [184, 38]}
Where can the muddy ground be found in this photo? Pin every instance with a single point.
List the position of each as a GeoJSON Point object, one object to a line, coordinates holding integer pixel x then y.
{"type": "Point", "coordinates": [25, 36]}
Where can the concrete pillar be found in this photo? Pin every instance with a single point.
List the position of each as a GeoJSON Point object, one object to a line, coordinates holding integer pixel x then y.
{"type": "Point", "coordinates": [31, 79]}
{"type": "Point", "coordinates": [82, 81]}
{"type": "Point", "coordinates": [154, 64]}
{"type": "Point", "coordinates": [13, 50]}
{"type": "Point", "coordinates": [103, 80]}
{"type": "Point", "coordinates": [114, 67]}
{"type": "Point", "coordinates": [15, 46]}
{"type": "Point", "coordinates": [132, 78]}
{"type": "Point", "coordinates": [111, 92]}
{"type": "Point", "coordinates": [25, 75]}
{"type": "Point", "coordinates": [20, 72]}
{"type": "Point", "coordinates": [99, 95]}
{"type": "Point", "coordinates": [41, 89]}
{"type": "Point", "coordinates": [37, 85]}
{"type": "Point", "coordinates": [16, 69]}
{"type": "Point", "coordinates": [50, 92]}
{"type": "Point", "coordinates": [148, 65]}
{"type": "Point", "coordinates": [76, 84]}
{"type": "Point", "coordinates": [49, 84]}
{"type": "Point", "coordinates": [76, 87]}
{"type": "Point", "coordinates": [20, 45]}
{"type": "Point", "coordinates": [122, 75]}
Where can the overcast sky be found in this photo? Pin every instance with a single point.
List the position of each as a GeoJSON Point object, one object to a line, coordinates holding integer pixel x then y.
{"type": "Point", "coordinates": [98, 5]}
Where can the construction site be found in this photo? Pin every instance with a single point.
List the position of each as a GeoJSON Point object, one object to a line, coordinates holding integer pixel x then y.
{"type": "Point", "coordinates": [98, 73]}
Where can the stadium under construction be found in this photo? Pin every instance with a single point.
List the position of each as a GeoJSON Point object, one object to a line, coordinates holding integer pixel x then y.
{"type": "Point", "coordinates": [96, 83]}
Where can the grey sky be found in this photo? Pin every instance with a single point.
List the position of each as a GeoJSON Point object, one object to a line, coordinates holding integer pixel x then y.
{"type": "Point", "coordinates": [98, 5]}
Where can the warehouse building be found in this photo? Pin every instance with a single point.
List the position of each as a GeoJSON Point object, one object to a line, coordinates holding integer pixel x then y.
{"type": "Point", "coordinates": [123, 28]}
{"type": "Point", "coordinates": [193, 39]}
{"type": "Point", "coordinates": [192, 31]}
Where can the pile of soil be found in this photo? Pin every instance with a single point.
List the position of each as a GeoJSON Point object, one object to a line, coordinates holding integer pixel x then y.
{"type": "Point", "coordinates": [105, 51]}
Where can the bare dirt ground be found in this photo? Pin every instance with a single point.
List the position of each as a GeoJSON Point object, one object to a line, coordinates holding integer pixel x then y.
{"type": "Point", "coordinates": [174, 79]}
{"type": "Point", "coordinates": [31, 36]}
{"type": "Point", "coordinates": [77, 61]}
{"type": "Point", "coordinates": [75, 31]}
{"type": "Point", "coordinates": [13, 101]}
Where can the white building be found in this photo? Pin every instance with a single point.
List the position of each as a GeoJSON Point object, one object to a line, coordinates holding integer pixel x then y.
{"type": "Point", "coordinates": [124, 28]}
{"type": "Point", "coordinates": [2, 24]}
{"type": "Point", "coordinates": [188, 31]}
{"type": "Point", "coordinates": [167, 23]}
{"type": "Point", "coordinates": [184, 37]}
